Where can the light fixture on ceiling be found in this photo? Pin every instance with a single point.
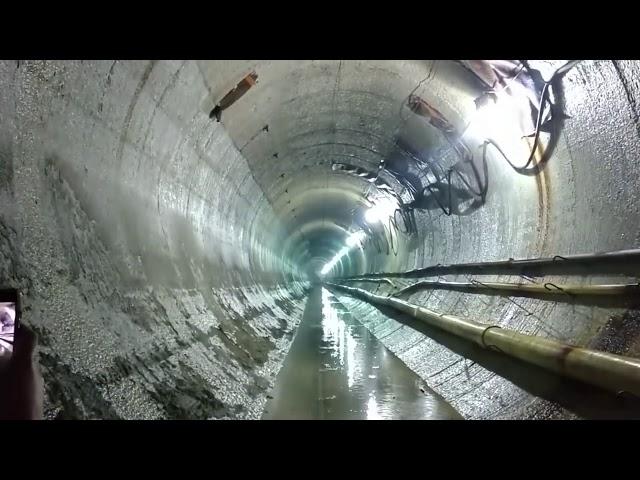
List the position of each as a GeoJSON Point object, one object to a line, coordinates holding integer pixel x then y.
{"type": "Point", "coordinates": [382, 210]}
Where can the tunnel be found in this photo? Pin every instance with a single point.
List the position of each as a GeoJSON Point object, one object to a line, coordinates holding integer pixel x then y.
{"type": "Point", "coordinates": [172, 225]}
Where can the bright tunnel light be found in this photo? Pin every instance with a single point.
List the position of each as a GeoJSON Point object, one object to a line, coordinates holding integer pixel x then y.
{"type": "Point", "coordinates": [353, 240]}
{"type": "Point", "coordinates": [381, 211]}
{"type": "Point", "coordinates": [502, 119]}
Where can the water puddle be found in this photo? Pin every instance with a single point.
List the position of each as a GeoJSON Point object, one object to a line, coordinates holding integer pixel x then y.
{"type": "Point", "coordinates": [337, 370]}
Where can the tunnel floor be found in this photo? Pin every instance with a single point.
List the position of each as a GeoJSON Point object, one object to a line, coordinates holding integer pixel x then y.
{"type": "Point", "coordinates": [337, 370]}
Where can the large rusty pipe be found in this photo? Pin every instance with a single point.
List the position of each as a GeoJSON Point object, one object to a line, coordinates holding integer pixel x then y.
{"type": "Point", "coordinates": [621, 261]}
{"type": "Point", "coordinates": [612, 372]}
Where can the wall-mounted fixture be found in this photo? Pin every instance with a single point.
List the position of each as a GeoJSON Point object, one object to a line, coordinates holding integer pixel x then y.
{"type": "Point", "coordinates": [420, 107]}
{"type": "Point", "coordinates": [234, 95]}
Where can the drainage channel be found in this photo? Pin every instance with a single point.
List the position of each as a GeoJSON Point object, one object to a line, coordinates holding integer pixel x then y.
{"type": "Point", "coordinates": [337, 370]}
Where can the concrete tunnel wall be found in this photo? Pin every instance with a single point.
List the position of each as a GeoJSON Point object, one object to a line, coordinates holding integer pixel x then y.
{"type": "Point", "coordinates": [137, 234]}
{"type": "Point", "coordinates": [154, 245]}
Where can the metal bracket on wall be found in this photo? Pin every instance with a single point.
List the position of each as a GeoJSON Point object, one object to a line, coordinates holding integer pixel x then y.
{"type": "Point", "coordinates": [234, 95]}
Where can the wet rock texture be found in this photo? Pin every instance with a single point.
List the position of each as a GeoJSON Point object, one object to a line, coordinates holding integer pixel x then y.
{"type": "Point", "coordinates": [121, 229]}
{"type": "Point", "coordinates": [161, 252]}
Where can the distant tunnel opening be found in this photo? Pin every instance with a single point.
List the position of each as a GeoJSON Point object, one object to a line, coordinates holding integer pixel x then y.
{"type": "Point", "coordinates": [166, 220]}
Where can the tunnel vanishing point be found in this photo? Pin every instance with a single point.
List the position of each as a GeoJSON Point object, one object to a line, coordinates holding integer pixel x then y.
{"type": "Point", "coordinates": [326, 239]}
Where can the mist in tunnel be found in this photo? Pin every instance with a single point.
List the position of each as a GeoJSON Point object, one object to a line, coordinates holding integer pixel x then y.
{"type": "Point", "coordinates": [166, 220]}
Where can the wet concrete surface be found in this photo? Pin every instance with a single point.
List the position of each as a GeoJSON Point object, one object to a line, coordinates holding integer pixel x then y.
{"type": "Point", "coordinates": [136, 227]}
{"type": "Point", "coordinates": [337, 370]}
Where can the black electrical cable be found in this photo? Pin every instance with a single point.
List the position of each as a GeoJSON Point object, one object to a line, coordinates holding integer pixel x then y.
{"type": "Point", "coordinates": [406, 210]}
{"type": "Point", "coordinates": [393, 227]}
{"type": "Point", "coordinates": [376, 242]}
{"type": "Point", "coordinates": [543, 98]}
{"type": "Point", "coordinates": [521, 68]}
{"type": "Point", "coordinates": [536, 139]}
{"type": "Point", "coordinates": [407, 216]}
{"type": "Point", "coordinates": [480, 193]}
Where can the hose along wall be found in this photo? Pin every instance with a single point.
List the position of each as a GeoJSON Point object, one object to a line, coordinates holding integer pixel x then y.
{"type": "Point", "coordinates": [164, 253]}
{"type": "Point", "coordinates": [583, 201]}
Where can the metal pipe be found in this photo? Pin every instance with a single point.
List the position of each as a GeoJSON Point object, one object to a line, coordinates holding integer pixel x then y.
{"type": "Point", "coordinates": [548, 288]}
{"type": "Point", "coordinates": [373, 280]}
{"type": "Point", "coordinates": [621, 261]}
{"type": "Point", "coordinates": [612, 372]}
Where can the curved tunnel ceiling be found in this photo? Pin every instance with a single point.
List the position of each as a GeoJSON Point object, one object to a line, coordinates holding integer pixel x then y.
{"type": "Point", "coordinates": [180, 248]}
{"type": "Point", "coordinates": [302, 117]}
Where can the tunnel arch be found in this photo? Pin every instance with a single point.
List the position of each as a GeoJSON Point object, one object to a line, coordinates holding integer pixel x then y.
{"type": "Point", "coordinates": [158, 250]}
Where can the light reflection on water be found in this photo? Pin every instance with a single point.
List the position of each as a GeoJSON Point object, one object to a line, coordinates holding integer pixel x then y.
{"type": "Point", "coordinates": [372, 408]}
{"type": "Point", "coordinates": [336, 333]}
{"type": "Point", "coordinates": [336, 369]}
